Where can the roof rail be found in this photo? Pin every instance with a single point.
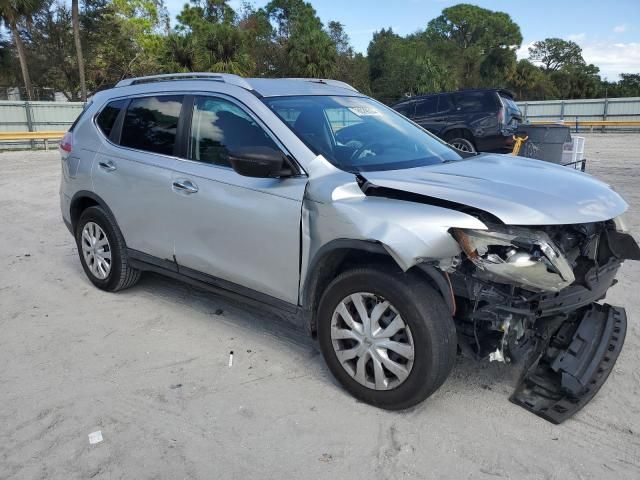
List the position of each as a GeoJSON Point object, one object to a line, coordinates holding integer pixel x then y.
{"type": "Point", "coordinates": [217, 77]}
{"type": "Point", "coordinates": [327, 81]}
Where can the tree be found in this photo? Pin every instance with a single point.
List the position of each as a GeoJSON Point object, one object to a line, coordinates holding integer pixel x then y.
{"type": "Point", "coordinates": [12, 13]}
{"type": "Point", "coordinates": [339, 38]}
{"type": "Point", "coordinates": [400, 67]}
{"type": "Point", "coordinates": [178, 53]}
{"type": "Point", "coordinates": [577, 81]}
{"type": "Point", "coordinates": [350, 67]}
{"type": "Point", "coordinates": [304, 48]}
{"type": "Point", "coordinates": [211, 39]}
{"type": "Point", "coordinates": [75, 20]}
{"type": "Point", "coordinates": [475, 42]}
{"type": "Point", "coordinates": [529, 82]}
{"type": "Point", "coordinates": [7, 76]}
{"type": "Point", "coordinates": [50, 46]}
{"type": "Point", "coordinates": [144, 23]}
{"type": "Point", "coordinates": [259, 35]}
{"type": "Point", "coordinates": [629, 85]}
{"type": "Point", "coordinates": [556, 53]}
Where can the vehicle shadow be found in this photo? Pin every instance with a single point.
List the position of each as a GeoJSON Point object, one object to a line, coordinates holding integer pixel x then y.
{"type": "Point", "coordinates": [289, 332]}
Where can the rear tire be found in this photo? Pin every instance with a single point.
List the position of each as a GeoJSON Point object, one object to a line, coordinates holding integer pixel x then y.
{"type": "Point", "coordinates": [103, 252]}
{"type": "Point", "coordinates": [428, 336]}
{"type": "Point", "coordinates": [463, 144]}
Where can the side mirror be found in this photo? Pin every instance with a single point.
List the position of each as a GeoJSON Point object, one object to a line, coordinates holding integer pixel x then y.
{"type": "Point", "coordinates": [259, 162]}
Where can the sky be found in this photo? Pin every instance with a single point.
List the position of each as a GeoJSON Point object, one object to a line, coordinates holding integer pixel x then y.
{"type": "Point", "coordinates": [607, 31]}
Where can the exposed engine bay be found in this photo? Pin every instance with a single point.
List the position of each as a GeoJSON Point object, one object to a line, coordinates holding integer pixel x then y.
{"type": "Point", "coordinates": [522, 267]}
{"type": "Point", "coordinates": [528, 295]}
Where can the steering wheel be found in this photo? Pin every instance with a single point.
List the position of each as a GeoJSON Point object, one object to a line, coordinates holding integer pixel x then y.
{"type": "Point", "coordinates": [374, 148]}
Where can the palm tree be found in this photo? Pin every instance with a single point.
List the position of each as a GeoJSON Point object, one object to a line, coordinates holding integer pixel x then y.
{"type": "Point", "coordinates": [11, 13]}
{"type": "Point", "coordinates": [76, 35]}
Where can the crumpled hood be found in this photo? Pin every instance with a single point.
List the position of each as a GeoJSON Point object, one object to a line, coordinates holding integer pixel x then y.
{"type": "Point", "coordinates": [517, 190]}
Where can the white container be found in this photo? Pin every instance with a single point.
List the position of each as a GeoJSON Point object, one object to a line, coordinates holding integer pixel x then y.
{"type": "Point", "coordinates": [573, 153]}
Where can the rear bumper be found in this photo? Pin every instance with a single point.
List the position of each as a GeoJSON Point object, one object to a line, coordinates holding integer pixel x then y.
{"type": "Point", "coordinates": [495, 143]}
{"type": "Point", "coordinates": [65, 210]}
{"type": "Point", "coordinates": [572, 361]}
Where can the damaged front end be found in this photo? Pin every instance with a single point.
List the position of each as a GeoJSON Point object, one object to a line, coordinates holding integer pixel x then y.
{"type": "Point", "coordinates": [530, 293]}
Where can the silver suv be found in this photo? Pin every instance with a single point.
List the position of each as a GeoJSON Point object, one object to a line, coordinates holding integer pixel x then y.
{"type": "Point", "coordinates": [395, 250]}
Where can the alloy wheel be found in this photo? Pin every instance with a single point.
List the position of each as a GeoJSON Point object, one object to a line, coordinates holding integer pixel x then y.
{"type": "Point", "coordinates": [463, 145]}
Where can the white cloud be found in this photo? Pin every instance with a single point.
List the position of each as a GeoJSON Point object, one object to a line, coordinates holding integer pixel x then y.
{"type": "Point", "coordinates": [523, 51]}
{"type": "Point", "coordinates": [620, 28]}
{"type": "Point", "coordinates": [577, 37]}
{"type": "Point", "coordinates": [613, 58]}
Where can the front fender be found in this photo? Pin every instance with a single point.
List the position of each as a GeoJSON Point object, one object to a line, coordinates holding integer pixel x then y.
{"type": "Point", "coordinates": [410, 232]}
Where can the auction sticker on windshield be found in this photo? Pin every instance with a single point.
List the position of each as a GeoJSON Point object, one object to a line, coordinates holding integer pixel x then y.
{"type": "Point", "coordinates": [364, 111]}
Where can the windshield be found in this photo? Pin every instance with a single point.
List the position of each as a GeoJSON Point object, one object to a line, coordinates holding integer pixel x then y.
{"type": "Point", "coordinates": [358, 134]}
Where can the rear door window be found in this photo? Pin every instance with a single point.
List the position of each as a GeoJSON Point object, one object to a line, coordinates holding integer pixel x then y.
{"type": "Point", "coordinates": [472, 102]}
{"type": "Point", "coordinates": [151, 123]}
{"type": "Point", "coordinates": [107, 117]}
{"type": "Point", "coordinates": [406, 109]}
{"type": "Point", "coordinates": [444, 103]}
{"type": "Point", "coordinates": [426, 106]}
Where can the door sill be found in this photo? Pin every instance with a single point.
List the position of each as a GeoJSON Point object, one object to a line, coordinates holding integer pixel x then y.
{"type": "Point", "coordinates": [170, 268]}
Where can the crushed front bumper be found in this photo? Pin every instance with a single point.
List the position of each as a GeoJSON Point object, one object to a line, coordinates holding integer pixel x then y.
{"type": "Point", "coordinates": [571, 362]}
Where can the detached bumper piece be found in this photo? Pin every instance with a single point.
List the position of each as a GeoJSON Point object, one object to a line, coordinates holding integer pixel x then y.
{"type": "Point", "coordinates": [571, 365]}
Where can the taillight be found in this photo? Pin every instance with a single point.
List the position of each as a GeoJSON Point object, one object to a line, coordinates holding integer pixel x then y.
{"type": "Point", "coordinates": [501, 116]}
{"type": "Point", "coordinates": [66, 144]}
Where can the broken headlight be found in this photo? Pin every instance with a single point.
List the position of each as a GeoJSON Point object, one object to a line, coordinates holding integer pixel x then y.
{"type": "Point", "coordinates": [516, 256]}
{"type": "Point", "coordinates": [621, 223]}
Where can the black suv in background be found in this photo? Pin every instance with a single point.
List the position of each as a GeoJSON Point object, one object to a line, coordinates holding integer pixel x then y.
{"type": "Point", "coordinates": [470, 120]}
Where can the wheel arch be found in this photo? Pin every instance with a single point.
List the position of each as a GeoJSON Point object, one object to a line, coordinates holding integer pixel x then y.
{"type": "Point", "coordinates": [340, 255]}
{"type": "Point", "coordinates": [458, 131]}
{"type": "Point", "coordinates": [82, 200]}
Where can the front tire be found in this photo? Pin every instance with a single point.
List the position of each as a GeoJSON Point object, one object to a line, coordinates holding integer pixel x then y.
{"type": "Point", "coordinates": [386, 336]}
{"type": "Point", "coordinates": [103, 252]}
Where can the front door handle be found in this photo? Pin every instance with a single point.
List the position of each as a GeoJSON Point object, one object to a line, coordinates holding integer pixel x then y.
{"type": "Point", "coordinates": [185, 186]}
{"type": "Point", "coordinates": [108, 166]}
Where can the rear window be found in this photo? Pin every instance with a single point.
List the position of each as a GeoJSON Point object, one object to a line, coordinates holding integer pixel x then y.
{"type": "Point", "coordinates": [151, 123]}
{"type": "Point", "coordinates": [509, 103]}
{"type": "Point", "coordinates": [470, 102]}
{"type": "Point", "coordinates": [107, 117]}
{"type": "Point", "coordinates": [426, 106]}
{"type": "Point", "coordinates": [79, 117]}
{"type": "Point", "coordinates": [444, 103]}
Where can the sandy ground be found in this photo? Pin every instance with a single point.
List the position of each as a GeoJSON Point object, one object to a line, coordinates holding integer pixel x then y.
{"type": "Point", "coordinates": [149, 368]}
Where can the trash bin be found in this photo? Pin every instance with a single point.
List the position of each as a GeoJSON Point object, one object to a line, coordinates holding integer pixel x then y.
{"type": "Point", "coordinates": [545, 142]}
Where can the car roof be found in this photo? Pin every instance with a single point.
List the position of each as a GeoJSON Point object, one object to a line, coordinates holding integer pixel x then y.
{"type": "Point", "coordinates": [467, 90]}
{"type": "Point", "coordinates": [262, 87]}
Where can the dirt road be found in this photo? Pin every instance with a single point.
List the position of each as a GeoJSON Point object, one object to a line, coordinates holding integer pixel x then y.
{"type": "Point", "coordinates": [149, 368]}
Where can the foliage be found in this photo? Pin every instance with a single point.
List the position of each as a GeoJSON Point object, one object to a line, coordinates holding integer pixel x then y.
{"type": "Point", "coordinates": [529, 82]}
{"type": "Point", "coordinates": [478, 44]}
{"type": "Point", "coordinates": [464, 47]}
{"type": "Point", "coordinates": [555, 54]}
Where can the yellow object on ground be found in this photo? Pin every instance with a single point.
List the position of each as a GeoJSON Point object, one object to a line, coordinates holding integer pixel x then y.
{"type": "Point", "coordinates": [518, 144]}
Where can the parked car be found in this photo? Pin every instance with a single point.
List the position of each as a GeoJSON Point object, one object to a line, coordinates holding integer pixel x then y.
{"type": "Point", "coordinates": [482, 120]}
{"type": "Point", "coordinates": [308, 197]}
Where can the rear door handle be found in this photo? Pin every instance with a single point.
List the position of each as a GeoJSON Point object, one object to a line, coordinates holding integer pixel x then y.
{"type": "Point", "coordinates": [108, 166]}
{"type": "Point", "coordinates": [186, 186]}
